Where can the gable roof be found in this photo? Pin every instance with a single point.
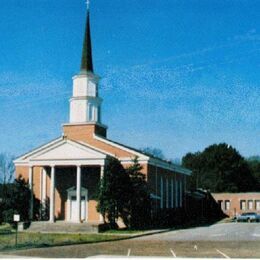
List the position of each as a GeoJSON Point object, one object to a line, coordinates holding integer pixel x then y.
{"type": "Point", "coordinates": [150, 159]}
{"type": "Point", "coordinates": [65, 150]}
{"type": "Point", "coordinates": [62, 150]}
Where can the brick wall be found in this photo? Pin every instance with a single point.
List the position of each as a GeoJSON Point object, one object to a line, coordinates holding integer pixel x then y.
{"type": "Point", "coordinates": [237, 203]}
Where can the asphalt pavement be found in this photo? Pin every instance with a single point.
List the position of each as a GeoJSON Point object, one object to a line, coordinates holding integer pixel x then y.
{"type": "Point", "coordinates": [217, 232]}
{"type": "Point", "coordinates": [228, 240]}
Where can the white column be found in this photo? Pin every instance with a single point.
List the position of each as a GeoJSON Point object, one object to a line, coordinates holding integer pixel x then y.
{"type": "Point", "coordinates": [167, 192]}
{"type": "Point", "coordinates": [31, 188]}
{"type": "Point", "coordinates": [78, 192]}
{"type": "Point", "coordinates": [52, 195]}
{"type": "Point", "coordinates": [44, 185]}
{"type": "Point", "coordinates": [101, 171]}
{"type": "Point", "coordinates": [101, 219]}
{"type": "Point", "coordinates": [161, 192]}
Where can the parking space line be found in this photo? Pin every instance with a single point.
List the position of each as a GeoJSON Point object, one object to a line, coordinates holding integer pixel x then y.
{"type": "Point", "coordinates": [129, 252]}
{"type": "Point", "coordinates": [226, 256]}
{"type": "Point", "coordinates": [174, 255]}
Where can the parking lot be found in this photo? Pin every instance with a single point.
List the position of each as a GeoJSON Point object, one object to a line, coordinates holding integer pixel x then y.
{"type": "Point", "coordinates": [230, 240]}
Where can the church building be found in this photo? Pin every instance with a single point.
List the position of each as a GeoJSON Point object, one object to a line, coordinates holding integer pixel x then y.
{"type": "Point", "coordinates": [64, 174]}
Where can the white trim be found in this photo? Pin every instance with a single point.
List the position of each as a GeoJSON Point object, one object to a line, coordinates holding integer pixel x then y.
{"type": "Point", "coordinates": [95, 148]}
{"type": "Point", "coordinates": [120, 147]}
{"type": "Point", "coordinates": [88, 75]}
{"type": "Point", "coordinates": [22, 157]}
{"type": "Point", "coordinates": [67, 162]}
{"type": "Point", "coordinates": [75, 144]}
{"type": "Point", "coordinates": [85, 123]}
{"type": "Point", "coordinates": [152, 161]}
{"type": "Point", "coordinates": [32, 160]}
{"type": "Point", "coordinates": [169, 166]}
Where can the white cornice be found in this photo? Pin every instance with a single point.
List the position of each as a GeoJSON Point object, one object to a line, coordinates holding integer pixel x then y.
{"type": "Point", "coordinates": [85, 123]}
{"type": "Point", "coordinates": [140, 155]}
{"type": "Point", "coordinates": [145, 159]}
{"type": "Point", "coordinates": [22, 157]}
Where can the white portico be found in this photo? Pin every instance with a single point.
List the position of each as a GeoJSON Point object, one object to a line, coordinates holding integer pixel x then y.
{"type": "Point", "coordinates": [57, 155]}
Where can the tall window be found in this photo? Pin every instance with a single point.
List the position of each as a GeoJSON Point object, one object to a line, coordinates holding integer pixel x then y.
{"type": "Point", "coordinates": [257, 204]}
{"type": "Point", "coordinates": [172, 193]}
{"type": "Point", "coordinates": [180, 190]}
{"type": "Point", "coordinates": [220, 202]}
{"type": "Point", "coordinates": [227, 205]}
{"type": "Point", "coordinates": [242, 204]}
{"type": "Point", "coordinates": [250, 204]}
{"type": "Point", "coordinates": [167, 193]}
{"type": "Point", "coordinates": [176, 194]}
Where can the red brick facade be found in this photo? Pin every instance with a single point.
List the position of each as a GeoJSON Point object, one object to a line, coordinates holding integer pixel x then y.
{"type": "Point", "coordinates": [233, 204]}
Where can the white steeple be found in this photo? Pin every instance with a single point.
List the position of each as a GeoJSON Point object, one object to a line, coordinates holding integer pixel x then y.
{"type": "Point", "coordinates": [85, 104]}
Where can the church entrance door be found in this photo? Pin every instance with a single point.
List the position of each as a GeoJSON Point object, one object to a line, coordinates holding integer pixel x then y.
{"type": "Point", "coordinates": [72, 205]}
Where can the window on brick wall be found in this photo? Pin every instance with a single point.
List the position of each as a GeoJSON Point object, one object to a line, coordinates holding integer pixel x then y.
{"type": "Point", "coordinates": [257, 204]}
{"type": "Point", "coordinates": [227, 204]}
{"type": "Point", "coordinates": [242, 204]}
{"type": "Point", "coordinates": [220, 202]}
{"type": "Point", "coordinates": [250, 204]}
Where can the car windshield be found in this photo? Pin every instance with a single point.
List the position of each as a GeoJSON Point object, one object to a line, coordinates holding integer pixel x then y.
{"type": "Point", "coordinates": [249, 213]}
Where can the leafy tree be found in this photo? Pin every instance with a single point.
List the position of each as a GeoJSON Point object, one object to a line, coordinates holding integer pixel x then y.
{"type": "Point", "coordinates": [16, 199]}
{"type": "Point", "coordinates": [113, 195]}
{"type": "Point", "coordinates": [140, 204]}
{"type": "Point", "coordinates": [254, 165]}
{"type": "Point", "coordinates": [154, 152]}
{"type": "Point", "coordinates": [220, 168]}
{"type": "Point", "coordinates": [193, 161]}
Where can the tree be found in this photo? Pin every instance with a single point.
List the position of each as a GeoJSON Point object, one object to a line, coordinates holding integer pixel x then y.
{"type": "Point", "coordinates": [254, 165]}
{"type": "Point", "coordinates": [220, 168]}
{"type": "Point", "coordinates": [16, 199]}
{"type": "Point", "coordinates": [113, 194]}
{"type": "Point", "coordinates": [154, 152]}
{"type": "Point", "coordinates": [193, 161]}
{"type": "Point", "coordinates": [6, 168]}
{"type": "Point", "coordinates": [140, 204]}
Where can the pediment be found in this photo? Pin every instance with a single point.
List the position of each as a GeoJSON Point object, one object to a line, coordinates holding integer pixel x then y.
{"type": "Point", "coordinates": [67, 150]}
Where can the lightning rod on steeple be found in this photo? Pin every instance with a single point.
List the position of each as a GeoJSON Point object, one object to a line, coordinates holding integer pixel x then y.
{"type": "Point", "coordinates": [88, 3]}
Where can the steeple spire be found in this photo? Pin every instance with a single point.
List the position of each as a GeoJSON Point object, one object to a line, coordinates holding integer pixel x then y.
{"type": "Point", "coordinates": [86, 60]}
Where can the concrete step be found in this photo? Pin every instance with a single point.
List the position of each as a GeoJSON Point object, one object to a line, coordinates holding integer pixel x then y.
{"type": "Point", "coordinates": [62, 227]}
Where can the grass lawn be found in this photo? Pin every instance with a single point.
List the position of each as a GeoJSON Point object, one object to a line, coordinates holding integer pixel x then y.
{"type": "Point", "coordinates": [31, 240]}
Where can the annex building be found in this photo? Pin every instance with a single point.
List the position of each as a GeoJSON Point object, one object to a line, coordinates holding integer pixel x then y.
{"type": "Point", "coordinates": [64, 173]}
{"type": "Point", "coordinates": [233, 204]}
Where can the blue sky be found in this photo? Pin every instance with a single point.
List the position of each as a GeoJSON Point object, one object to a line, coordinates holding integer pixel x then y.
{"type": "Point", "coordinates": [176, 75]}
